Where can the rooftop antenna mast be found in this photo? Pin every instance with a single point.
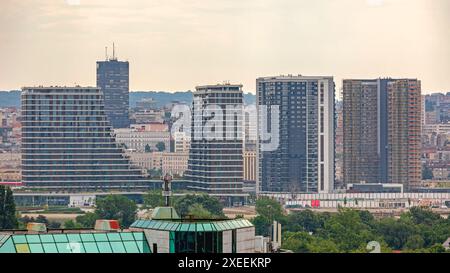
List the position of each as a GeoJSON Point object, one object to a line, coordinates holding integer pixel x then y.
{"type": "Point", "coordinates": [114, 52]}
{"type": "Point", "coordinates": [106, 53]}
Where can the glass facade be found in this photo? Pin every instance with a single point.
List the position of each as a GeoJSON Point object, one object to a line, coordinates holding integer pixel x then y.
{"type": "Point", "coordinates": [192, 226]}
{"type": "Point", "coordinates": [215, 162]}
{"type": "Point", "coordinates": [360, 131]}
{"type": "Point", "coordinates": [196, 237]}
{"type": "Point", "coordinates": [113, 79]}
{"type": "Point", "coordinates": [197, 242]}
{"type": "Point", "coordinates": [304, 158]}
{"type": "Point", "coordinates": [123, 242]}
{"type": "Point", "coordinates": [67, 142]}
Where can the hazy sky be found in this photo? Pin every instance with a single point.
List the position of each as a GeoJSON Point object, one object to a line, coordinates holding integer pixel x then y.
{"type": "Point", "coordinates": [178, 44]}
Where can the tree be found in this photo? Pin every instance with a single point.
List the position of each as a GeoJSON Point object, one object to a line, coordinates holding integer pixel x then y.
{"type": "Point", "coordinates": [87, 220]}
{"type": "Point", "coordinates": [320, 245]}
{"type": "Point", "coordinates": [296, 241]}
{"type": "Point", "coordinates": [41, 219]}
{"type": "Point", "coordinates": [350, 231]}
{"type": "Point", "coordinates": [347, 230]}
{"type": "Point", "coordinates": [148, 149]}
{"type": "Point", "coordinates": [153, 199]}
{"type": "Point", "coordinates": [54, 225]}
{"type": "Point", "coordinates": [304, 221]}
{"type": "Point", "coordinates": [209, 203]}
{"type": "Point", "coordinates": [269, 208]}
{"type": "Point", "coordinates": [262, 225]}
{"type": "Point", "coordinates": [117, 207]}
{"type": "Point", "coordinates": [415, 242]}
{"type": "Point", "coordinates": [23, 221]}
{"type": "Point", "coordinates": [366, 217]}
{"type": "Point", "coordinates": [396, 232]}
{"type": "Point", "coordinates": [8, 218]}
{"type": "Point", "coordinates": [199, 212]}
{"type": "Point", "coordinates": [70, 224]}
{"type": "Point", "coordinates": [423, 216]}
{"type": "Point", "coordinates": [427, 173]}
{"type": "Point", "coordinates": [160, 146]}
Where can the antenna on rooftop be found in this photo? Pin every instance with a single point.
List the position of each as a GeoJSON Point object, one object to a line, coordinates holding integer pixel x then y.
{"type": "Point", "coordinates": [106, 53]}
{"type": "Point", "coordinates": [114, 52]}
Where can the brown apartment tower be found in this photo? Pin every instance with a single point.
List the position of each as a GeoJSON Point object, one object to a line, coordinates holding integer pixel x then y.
{"type": "Point", "coordinates": [405, 106]}
{"type": "Point", "coordinates": [381, 131]}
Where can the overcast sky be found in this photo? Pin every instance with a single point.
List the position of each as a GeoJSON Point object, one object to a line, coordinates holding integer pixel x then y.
{"type": "Point", "coordinates": [178, 44]}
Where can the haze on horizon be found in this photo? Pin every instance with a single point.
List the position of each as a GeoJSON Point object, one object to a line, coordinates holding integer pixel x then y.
{"type": "Point", "coordinates": [174, 45]}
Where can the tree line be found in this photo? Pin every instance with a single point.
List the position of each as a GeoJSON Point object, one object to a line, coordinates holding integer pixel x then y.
{"type": "Point", "coordinates": [349, 231]}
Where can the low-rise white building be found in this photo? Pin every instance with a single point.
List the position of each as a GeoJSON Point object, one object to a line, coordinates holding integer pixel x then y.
{"type": "Point", "coordinates": [139, 139]}
{"type": "Point", "coordinates": [172, 163]}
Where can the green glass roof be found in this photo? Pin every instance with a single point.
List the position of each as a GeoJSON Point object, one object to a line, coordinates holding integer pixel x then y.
{"type": "Point", "coordinates": [163, 213]}
{"type": "Point", "coordinates": [3, 239]}
{"type": "Point", "coordinates": [192, 226]}
{"type": "Point", "coordinates": [122, 242]}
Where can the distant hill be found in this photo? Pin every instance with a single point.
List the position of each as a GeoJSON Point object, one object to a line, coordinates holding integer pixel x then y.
{"type": "Point", "coordinates": [162, 98]}
{"type": "Point", "coordinates": [12, 98]}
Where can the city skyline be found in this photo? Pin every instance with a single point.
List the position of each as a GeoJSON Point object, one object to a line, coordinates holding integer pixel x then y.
{"type": "Point", "coordinates": [201, 42]}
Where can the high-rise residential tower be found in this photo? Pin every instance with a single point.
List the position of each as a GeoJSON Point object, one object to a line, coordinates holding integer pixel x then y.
{"type": "Point", "coordinates": [381, 135]}
{"type": "Point", "coordinates": [113, 79]}
{"type": "Point", "coordinates": [360, 131]}
{"type": "Point", "coordinates": [404, 132]}
{"type": "Point", "coordinates": [67, 142]}
{"type": "Point", "coordinates": [303, 160]}
{"type": "Point", "coordinates": [215, 155]}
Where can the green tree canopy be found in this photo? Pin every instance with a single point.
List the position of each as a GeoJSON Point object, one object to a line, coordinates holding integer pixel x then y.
{"type": "Point", "coordinates": [209, 203]}
{"type": "Point", "coordinates": [347, 230]}
{"type": "Point", "coordinates": [427, 173]}
{"type": "Point", "coordinates": [117, 207]}
{"type": "Point", "coordinates": [87, 220]}
{"type": "Point", "coordinates": [148, 149]}
{"type": "Point", "coordinates": [160, 146]}
{"type": "Point", "coordinates": [41, 219]}
{"type": "Point", "coordinates": [305, 221]}
{"type": "Point", "coordinates": [269, 208]}
{"type": "Point", "coordinates": [8, 219]}
{"type": "Point", "coordinates": [71, 224]}
{"type": "Point", "coordinates": [418, 230]}
{"type": "Point", "coordinates": [153, 199]}
{"type": "Point", "coordinates": [54, 225]}
{"type": "Point", "coordinates": [199, 212]}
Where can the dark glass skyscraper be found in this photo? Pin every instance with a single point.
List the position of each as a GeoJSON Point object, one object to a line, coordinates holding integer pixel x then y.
{"type": "Point", "coordinates": [215, 161]}
{"type": "Point", "coordinates": [113, 79]}
{"type": "Point", "coordinates": [303, 160]}
{"type": "Point", "coordinates": [67, 142]}
{"type": "Point", "coordinates": [363, 146]}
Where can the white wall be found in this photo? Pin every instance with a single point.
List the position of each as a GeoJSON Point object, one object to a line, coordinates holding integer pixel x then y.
{"type": "Point", "coordinates": [245, 240]}
{"type": "Point", "coordinates": [159, 237]}
{"type": "Point", "coordinates": [226, 241]}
